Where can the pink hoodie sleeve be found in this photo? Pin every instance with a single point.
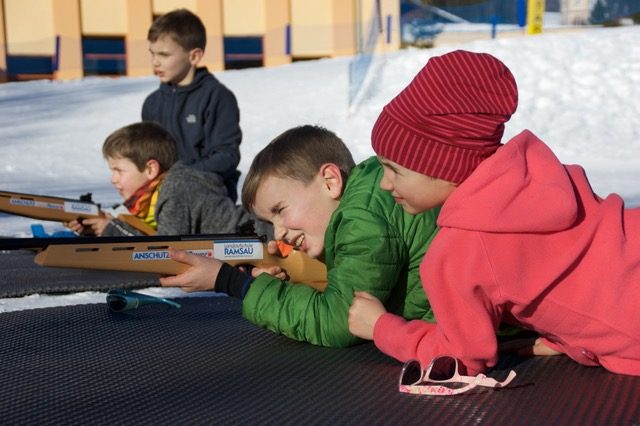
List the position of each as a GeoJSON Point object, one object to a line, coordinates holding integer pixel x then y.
{"type": "Point", "coordinates": [400, 338]}
{"type": "Point", "coordinates": [464, 302]}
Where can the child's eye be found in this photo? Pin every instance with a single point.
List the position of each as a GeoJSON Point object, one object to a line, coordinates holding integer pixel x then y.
{"type": "Point", "coordinates": [276, 210]}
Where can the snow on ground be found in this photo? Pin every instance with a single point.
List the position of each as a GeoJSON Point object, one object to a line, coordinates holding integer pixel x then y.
{"type": "Point", "coordinates": [579, 93]}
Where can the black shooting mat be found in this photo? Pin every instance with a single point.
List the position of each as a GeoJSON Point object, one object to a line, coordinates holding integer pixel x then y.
{"type": "Point", "coordinates": [21, 276]}
{"type": "Point", "coordinates": [205, 364]}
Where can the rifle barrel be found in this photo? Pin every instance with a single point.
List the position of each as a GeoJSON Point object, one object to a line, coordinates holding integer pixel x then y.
{"type": "Point", "coordinates": [42, 243]}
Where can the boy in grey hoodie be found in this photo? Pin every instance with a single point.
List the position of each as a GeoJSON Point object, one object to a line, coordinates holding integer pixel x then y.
{"type": "Point", "coordinates": [161, 191]}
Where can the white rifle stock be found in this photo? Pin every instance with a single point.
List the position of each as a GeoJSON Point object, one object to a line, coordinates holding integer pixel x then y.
{"type": "Point", "coordinates": [60, 209]}
{"type": "Point", "coordinates": [150, 254]}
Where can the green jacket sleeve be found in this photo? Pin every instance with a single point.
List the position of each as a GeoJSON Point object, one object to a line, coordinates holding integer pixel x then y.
{"type": "Point", "coordinates": [363, 251]}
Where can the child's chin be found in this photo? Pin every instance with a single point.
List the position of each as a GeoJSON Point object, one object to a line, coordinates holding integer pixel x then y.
{"type": "Point", "coordinates": [410, 210]}
{"type": "Point", "coordinates": [311, 253]}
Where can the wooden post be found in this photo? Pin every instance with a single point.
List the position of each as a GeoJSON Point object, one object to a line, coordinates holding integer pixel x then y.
{"type": "Point", "coordinates": [210, 13]}
{"type": "Point", "coordinates": [344, 27]}
{"type": "Point", "coordinates": [3, 46]}
{"type": "Point", "coordinates": [274, 42]}
{"type": "Point", "coordinates": [139, 19]}
{"type": "Point", "coordinates": [66, 28]}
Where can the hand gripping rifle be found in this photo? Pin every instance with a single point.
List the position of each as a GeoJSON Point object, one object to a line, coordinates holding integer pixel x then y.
{"type": "Point", "coordinates": [61, 209]}
{"type": "Point", "coordinates": [150, 254]}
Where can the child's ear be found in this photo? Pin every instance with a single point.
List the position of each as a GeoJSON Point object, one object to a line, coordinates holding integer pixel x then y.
{"type": "Point", "coordinates": [195, 55]}
{"type": "Point", "coordinates": [152, 169]}
{"type": "Point", "coordinates": [332, 180]}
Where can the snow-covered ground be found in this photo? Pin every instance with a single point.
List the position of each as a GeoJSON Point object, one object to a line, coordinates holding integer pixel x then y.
{"type": "Point", "coordinates": [579, 92]}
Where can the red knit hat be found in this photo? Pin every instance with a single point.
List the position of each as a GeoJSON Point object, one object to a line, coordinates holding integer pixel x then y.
{"type": "Point", "coordinates": [450, 117]}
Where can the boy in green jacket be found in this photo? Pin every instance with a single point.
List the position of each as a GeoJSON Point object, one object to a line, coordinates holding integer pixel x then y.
{"type": "Point", "coordinates": [307, 185]}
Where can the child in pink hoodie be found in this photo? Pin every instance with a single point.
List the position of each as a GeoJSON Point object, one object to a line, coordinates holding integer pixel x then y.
{"type": "Point", "coordinates": [523, 239]}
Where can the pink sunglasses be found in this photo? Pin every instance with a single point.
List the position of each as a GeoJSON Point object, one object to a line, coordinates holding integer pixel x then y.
{"type": "Point", "coordinates": [443, 369]}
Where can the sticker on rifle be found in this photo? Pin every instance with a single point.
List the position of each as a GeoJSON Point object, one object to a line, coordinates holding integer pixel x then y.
{"type": "Point", "coordinates": [33, 203]}
{"type": "Point", "coordinates": [241, 250]}
{"type": "Point", "coordinates": [82, 208]}
{"type": "Point", "coordinates": [164, 254]}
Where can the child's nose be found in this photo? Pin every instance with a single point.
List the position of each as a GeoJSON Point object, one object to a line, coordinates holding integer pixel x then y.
{"type": "Point", "coordinates": [385, 184]}
{"type": "Point", "coordinates": [279, 232]}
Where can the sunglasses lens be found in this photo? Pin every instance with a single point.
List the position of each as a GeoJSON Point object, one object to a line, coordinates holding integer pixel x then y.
{"type": "Point", "coordinates": [411, 373]}
{"type": "Point", "coordinates": [116, 303]}
{"type": "Point", "coordinates": [443, 368]}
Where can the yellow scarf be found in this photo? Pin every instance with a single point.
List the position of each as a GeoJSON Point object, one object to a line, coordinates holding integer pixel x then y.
{"type": "Point", "coordinates": [142, 204]}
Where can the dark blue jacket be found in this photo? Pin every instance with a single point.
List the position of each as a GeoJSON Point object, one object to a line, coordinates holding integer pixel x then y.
{"type": "Point", "coordinates": [204, 119]}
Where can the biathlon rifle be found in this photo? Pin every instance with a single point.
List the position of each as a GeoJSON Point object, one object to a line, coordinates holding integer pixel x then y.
{"type": "Point", "coordinates": [60, 209]}
{"type": "Point", "coordinates": [150, 254]}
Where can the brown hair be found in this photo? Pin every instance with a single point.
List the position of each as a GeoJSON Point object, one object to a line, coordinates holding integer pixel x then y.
{"type": "Point", "coordinates": [141, 142]}
{"type": "Point", "coordinates": [184, 27]}
{"type": "Point", "coordinates": [298, 154]}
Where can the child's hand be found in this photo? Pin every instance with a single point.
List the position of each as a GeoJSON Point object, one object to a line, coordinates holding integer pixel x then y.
{"type": "Point", "coordinates": [75, 226]}
{"type": "Point", "coordinates": [363, 314]}
{"type": "Point", "coordinates": [528, 347]}
{"type": "Point", "coordinates": [274, 248]}
{"type": "Point", "coordinates": [276, 271]}
{"type": "Point", "coordinates": [201, 276]}
{"type": "Point", "coordinates": [97, 224]}
{"type": "Point", "coordinates": [279, 248]}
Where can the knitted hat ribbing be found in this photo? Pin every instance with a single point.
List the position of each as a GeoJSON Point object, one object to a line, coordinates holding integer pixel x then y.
{"type": "Point", "coordinates": [450, 117]}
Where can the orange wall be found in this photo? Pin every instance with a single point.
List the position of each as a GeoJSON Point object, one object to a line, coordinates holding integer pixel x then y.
{"type": "Point", "coordinates": [311, 28]}
{"type": "Point", "coordinates": [3, 50]}
{"type": "Point", "coordinates": [138, 21]}
{"type": "Point", "coordinates": [29, 27]}
{"type": "Point", "coordinates": [210, 13]}
{"type": "Point", "coordinates": [276, 20]}
{"type": "Point", "coordinates": [104, 17]}
{"type": "Point", "coordinates": [66, 24]}
{"type": "Point", "coordinates": [262, 18]}
{"type": "Point", "coordinates": [319, 28]}
{"type": "Point", "coordinates": [163, 6]}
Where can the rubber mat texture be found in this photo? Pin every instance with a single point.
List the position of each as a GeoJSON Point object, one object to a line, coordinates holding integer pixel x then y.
{"type": "Point", "coordinates": [204, 364]}
{"type": "Point", "coordinates": [21, 276]}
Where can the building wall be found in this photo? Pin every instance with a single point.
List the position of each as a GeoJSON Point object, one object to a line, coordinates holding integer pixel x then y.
{"type": "Point", "coordinates": [342, 27]}
{"type": "Point", "coordinates": [289, 29]}
{"type": "Point", "coordinates": [345, 24]}
{"type": "Point", "coordinates": [104, 17]}
{"type": "Point", "coordinates": [66, 24]}
{"type": "Point", "coordinates": [210, 12]}
{"type": "Point", "coordinates": [391, 16]}
{"type": "Point", "coordinates": [275, 43]}
{"type": "Point", "coordinates": [138, 15]}
{"type": "Point", "coordinates": [161, 7]}
{"type": "Point", "coordinates": [244, 17]}
{"type": "Point", "coordinates": [29, 27]}
{"type": "Point", "coordinates": [3, 43]}
{"type": "Point", "coordinates": [37, 29]}
{"type": "Point", "coordinates": [311, 30]}
{"type": "Point", "coordinates": [575, 12]}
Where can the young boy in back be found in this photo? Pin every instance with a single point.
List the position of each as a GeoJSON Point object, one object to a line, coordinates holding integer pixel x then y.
{"type": "Point", "coordinates": [306, 184]}
{"type": "Point", "coordinates": [161, 191]}
{"type": "Point", "coordinates": [523, 238]}
{"type": "Point", "coordinates": [200, 113]}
